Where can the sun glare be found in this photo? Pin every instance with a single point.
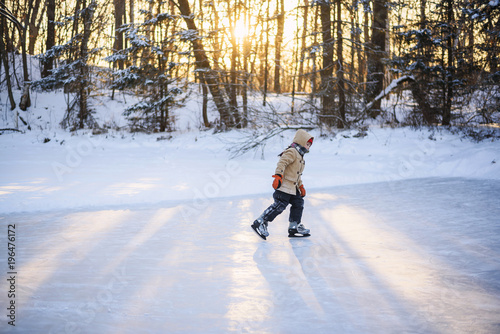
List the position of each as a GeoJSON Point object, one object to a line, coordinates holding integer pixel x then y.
{"type": "Point", "coordinates": [240, 30]}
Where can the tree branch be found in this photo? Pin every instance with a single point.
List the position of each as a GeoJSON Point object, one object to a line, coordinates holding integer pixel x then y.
{"type": "Point", "coordinates": [394, 84]}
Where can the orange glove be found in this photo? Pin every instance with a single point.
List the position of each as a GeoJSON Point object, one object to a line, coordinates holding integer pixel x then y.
{"type": "Point", "coordinates": [302, 190]}
{"type": "Point", "coordinates": [277, 181]}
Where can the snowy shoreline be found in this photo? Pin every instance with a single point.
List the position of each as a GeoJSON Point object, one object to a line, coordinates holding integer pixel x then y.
{"type": "Point", "coordinates": [136, 169]}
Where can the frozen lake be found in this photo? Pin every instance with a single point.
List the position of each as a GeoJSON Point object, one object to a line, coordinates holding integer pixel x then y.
{"type": "Point", "coordinates": [413, 256]}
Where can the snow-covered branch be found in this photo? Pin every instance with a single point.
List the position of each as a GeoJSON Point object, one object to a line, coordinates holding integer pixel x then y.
{"type": "Point", "coordinates": [393, 85]}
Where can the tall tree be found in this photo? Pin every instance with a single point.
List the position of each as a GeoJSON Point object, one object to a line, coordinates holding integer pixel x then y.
{"type": "Point", "coordinates": [313, 54]}
{"type": "Point", "coordinates": [449, 75]}
{"type": "Point", "coordinates": [83, 87]}
{"type": "Point", "coordinates": [266, 56]}
{"type": "Point", "coordinates": [118, 44]}
{"type": "Point", "coordinates": [204, 87]}
{"type": "Point", "coordinates": [233, 17]}
{"type": "Point", "coordinates": [303, 38]}
{"type": "Point", "coordinates": [246, 74]}
{"type": "Point", "coordinates": [341, 84]}
{"type": "Point", "coordinates": [4, 15]}
{"type": "Point", "coordinates": [280, 19]}
{"type": "Point", "coordinates": [50, 41]}
{"type": "Point", "coordinates": [34, 26]}
{"type": "Point", "coordinates": [327, 85]}
{"type": "Point", "coordinates": [376, 67]}
{"type": "Point", "coordinates": [25, 101]}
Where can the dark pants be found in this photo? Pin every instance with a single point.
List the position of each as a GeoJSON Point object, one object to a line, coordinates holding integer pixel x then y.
{"type": "Point", "coordinates": [281, 201]}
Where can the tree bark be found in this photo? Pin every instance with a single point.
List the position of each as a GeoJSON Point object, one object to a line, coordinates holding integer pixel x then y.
{"type": "Point", "coordinates": [83, 89]}
{"type": "Point", "coordinates": [266, 57]}
{"type": "Point", "coordinates": [5, 60]}
{"type": "Point", "coordinates": [233, 85]}
{"type": "Point", "coordinates": [314, 72]}
{"type": "Point", "coordinates": [376, 67]}
{"type": "Point", "coordinates": [449, 73]}
{"type": "Point", "coordinates": [366, 39]}
{"type": "Point", "coordinates": [119, 6]}
{"type": "Point", "coordinates": [246, 74]}
{"type": "Point", "coordinates": [280, 10]}
{"type": "Point", "coordinates": [33, 28]}
{"type": "Point", "coordinates": [327, 89]}
{"type": "Point", "coordinates": [25, 102]}
{"type": "Point", "coordinates": [48, 63]}
{"type": "Point", "coordinates": [303, 46]}
{"type": "Point", "coordinates": [341, 85]}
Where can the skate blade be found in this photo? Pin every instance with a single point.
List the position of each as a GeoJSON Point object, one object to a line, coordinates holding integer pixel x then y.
{"type": "Point", "coordinates": [298, 235]}
{"type": "Point", "coordinates": [257, 232]}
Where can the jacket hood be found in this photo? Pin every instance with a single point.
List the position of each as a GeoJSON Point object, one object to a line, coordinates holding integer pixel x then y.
{"type": "Point", "coordinates": [301, 137]}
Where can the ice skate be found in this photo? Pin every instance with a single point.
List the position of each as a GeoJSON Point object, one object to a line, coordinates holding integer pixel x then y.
{"type": "Point", "coordinates": [298, 230]}
{"type": "Point", "coordinates": [260, 227]}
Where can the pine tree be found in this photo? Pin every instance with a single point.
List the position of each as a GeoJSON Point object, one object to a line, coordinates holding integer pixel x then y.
{"type": "Point", "coordinates": [74, 72]}
{"type": "Point", "coordinates": [151, 79]}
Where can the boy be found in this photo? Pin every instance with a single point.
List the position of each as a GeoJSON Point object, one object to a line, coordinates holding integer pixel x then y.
{"type": "Point", "coordinates": [288, 188]}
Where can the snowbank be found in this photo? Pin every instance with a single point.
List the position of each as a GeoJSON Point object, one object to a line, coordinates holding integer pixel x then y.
{"type": "Point", "coordinates": [42, 171]}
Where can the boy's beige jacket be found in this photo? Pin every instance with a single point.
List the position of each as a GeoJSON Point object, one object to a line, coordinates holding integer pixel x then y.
{"type": "Point", "coordinates": [291, 164]}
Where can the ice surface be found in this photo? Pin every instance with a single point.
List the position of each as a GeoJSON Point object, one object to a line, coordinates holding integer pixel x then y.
{"type": "Point", "coordinates": [409, 256]}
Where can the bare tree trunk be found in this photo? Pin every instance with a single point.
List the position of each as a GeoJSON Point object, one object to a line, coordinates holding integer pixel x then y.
{"type": "Point", "coordinates": [303, 46]}
{"type": "Point", "coordinates": [417, 88]}
{"type": "Point", "coordinates": [266, 56]}
{"type": "Point", "coordinates": [376, 67]}
{"type": "Point", "coordinates": [450, 64]}
{"type": "Point", "coordinates": [295, 58]}
{"type": "Point", "coordinates": [359, 51]}
{"type": "Point", "coordinates": [470, 34]}
{"type": "Point", "coordinates": [74, 31]}
{"type": "Point", "coordinates": [217, 47]}
{"type": "Point", "coordinates": [145, 52]}
{"type": "Point", "coordinates": [423, 16]}
{"type": "Point", "coordinates": [5, 60]}
{"type": "Point", "coordinates": [119, 6]}
{"type": "Point", "coordinates": [354, 34]}
{"type": "Point", "coordinates": [131, 12]}
{"type": "Point", "coordinates": [83, 89]}
{"type": "Point", "coordinates": [48, 64]}
{"type": "Point", "coordinates": [341, 85]}
{"type": "Point", "coordinates": [280, 11]}
{"type": "Point", "coordinates": [33, 28]}
{"type": "Point", "coordinates": [313, 76]}
{"type": "Point", "coordinates": [205, 100]}
{"type": "Point", "coordinates": [327, 89]}
{"type": "Point", "coordinates": [25, 102]}
{"type": "Point", "coordinates": [204, 88]}
{"type": "Point", "coordinates": [246, 75]}
{"type": "Point", "coordinates": [233, 102]}
{"type": "Point", "coordinates": [366, 40]}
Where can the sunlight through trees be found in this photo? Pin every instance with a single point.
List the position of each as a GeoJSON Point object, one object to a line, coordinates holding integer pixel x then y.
{"type": "Point", "coordinates": [338, 56]}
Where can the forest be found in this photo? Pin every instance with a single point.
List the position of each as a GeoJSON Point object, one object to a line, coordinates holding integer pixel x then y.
{"type": "Point", "coordinates": [340, 63]}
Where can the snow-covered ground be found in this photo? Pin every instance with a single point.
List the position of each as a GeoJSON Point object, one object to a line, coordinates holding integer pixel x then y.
{"type": "Point", "coordinates": [123, 169]}
{"type": "Point", "coordinates": [136, 233]}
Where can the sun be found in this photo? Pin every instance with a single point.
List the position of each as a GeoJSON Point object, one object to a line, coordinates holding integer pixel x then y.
{"type": "Point", "coordinates": [240, 30]}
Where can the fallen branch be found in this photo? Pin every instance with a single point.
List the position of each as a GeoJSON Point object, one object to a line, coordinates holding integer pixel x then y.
{"type": "Point", "coordinates": [10, 129]}
{"type": "Point", "coordinates": [394, 84]}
